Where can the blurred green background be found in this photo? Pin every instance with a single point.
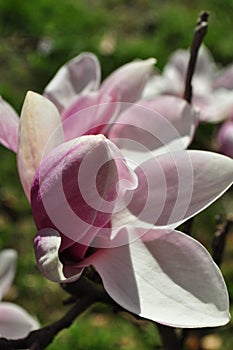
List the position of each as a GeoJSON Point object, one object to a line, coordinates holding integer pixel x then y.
{"type": "Point", "coordinates": [37, 37]}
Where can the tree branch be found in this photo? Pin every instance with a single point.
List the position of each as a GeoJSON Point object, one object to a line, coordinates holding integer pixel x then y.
{"type": "Point", "coordinates": [169, 338]}
{"type": "Point", "coordinates": [86, 291]}
{"type": "Point", "coordinates": [200, 32]}
{"type": "Point", "coordinates": [219, 240]}
{"type": "Point", "coordinates": [41, 338]}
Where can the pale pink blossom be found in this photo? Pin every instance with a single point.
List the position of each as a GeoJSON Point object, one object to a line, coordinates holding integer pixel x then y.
{"type": "Point", "coordinates": [15, 322]}
{"type": "Point", "coordinates": [212, 86]}
{"type": "Point", "coordinates": [109, 201]}
{"type": "Point", "coordinates": [110, 180]}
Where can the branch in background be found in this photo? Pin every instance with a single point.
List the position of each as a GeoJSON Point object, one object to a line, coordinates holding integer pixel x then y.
{"type": "Point", "coordinates": [199, 34]}
{"type": "Point", "coordinates": [169, 338]}
{"type": "Point", "coordinates": [88, 294]}
{"type": "Point", "coordinates": [41, 338]}
{"type": "Point", "coordinates": [219, 240]}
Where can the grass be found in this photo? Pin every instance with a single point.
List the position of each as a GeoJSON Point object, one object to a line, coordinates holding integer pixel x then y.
{"type": "Point", "coordinates": [117, 32]}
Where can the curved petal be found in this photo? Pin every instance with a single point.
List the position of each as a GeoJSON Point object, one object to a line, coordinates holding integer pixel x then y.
{"type": "Point", "coordinates": [8, 259]}
{"type": "Point", "coordinates": [89, 114]}
{"type": "Point", "coordinates": [129, 80]}
{"type": "Point", "coordinates": [9, 125]}
{"type": "Point", "coordinates": [225, 138]}
{"type": "Point", "coordinates": [176, 186]}
{"type": "Point", "coordinates": [40, 131]}
{"type": "Point", "coordinates": [167, 277]}
{"type": "Point", "coordinates": [215, 106]}
{"type": "Point", "coordinates": [46, 245]}
{"type": "Point", "coordinates": [224, 79]}
{"type": "Point", "coordinates": [153, 127]}
{"type": "Point", "coordinates": [172, 80]}
{"type": "Point", "coordinates": [15, 322]}
{"type": "Point", "coordinates": [78, 187]}
{"type": "Point", "coordinates": [205, 67]}
{"type": "Point", "coordinates": [205, 63]}
{"type": "Point", "coordinates": [80, 75]}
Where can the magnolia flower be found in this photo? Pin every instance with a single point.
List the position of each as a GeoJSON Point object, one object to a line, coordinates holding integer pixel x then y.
{"type": "Point", "coordinates": [110, 180]}
{"type": "Point", "coordinates": [15, 322]}
{"type": "Point", "coordinates": [113, 203]}
{"type": "Point", "coordinates": [212, 87]}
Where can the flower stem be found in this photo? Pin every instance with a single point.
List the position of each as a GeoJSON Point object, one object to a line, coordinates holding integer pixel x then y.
{"type": "Point", "coordinates": [199, 34]}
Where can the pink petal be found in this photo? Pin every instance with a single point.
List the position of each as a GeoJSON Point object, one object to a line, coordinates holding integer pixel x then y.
{"type": "Point", "coordinates": [172, 79]}
{"type": "Point", "coordinates": [176, 186]}
{"type": "Point", "coordinates": [78, 187]}
{"type": "Point", "coordinates": [216, 106]}
{"type": "Point", "coordinates": [225, 79]}
{"type": "Point", "coordinates": [154, 126]}
{"type": "Point", "coordinates": [81, 74]}
{"type": "Point", "coordinates": [129, 80]}
{"type": "Point", "coordinates": [167, 277]}
{"type": "Point", "coordinates": [40, 131]}
{"type": "Point", "coordinates": [205, 63]}
{"type": "Point", "coordinates": [225, 138]}
{"type": "Point", "coordinates": [15, 322]}
{"type": "Point", "coordinates": [205, 67]}
{"type": "Point", "coordinates": [8, 259]}
{"type": "Point", "coordinates": [89, 114]}
{"type": "Point", "coordinates": [9, 124]}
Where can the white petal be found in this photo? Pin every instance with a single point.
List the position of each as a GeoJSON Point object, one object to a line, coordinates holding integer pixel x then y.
{"type": "Point", "coordinates": [15, 322]}
{"type": "Point", "coordinates": [8, 259]}
{"type": "Point", "coordinates": [40, 131]}
{"type": "Point", "coordinates": [168, 277]}
{"type": "Point", "coordinates": [176, 186]}
{"type": "Point", "coordinates": [79, 75]}
{"type": "Point", "coordinates": [46, 245]}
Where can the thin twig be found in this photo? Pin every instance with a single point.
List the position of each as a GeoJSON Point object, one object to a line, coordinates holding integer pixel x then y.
{"type": "Point", "coordinates": [199, 34]}
{"type": "Point", "coordinates": [87, 294]}
{"type": "Point", "coordinates": [169, 338]}
{"type": "Point", "coordinates": [41, 338]}
{"type": "Point", "coordinates": [219, 240]}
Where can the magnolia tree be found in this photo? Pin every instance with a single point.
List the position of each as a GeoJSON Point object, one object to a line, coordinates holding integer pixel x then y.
{"type": "Point", "coordinates": [106, 170]}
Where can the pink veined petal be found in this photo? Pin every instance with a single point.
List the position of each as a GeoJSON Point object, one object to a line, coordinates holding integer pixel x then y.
{"type": "Point", "coordinates": [172, 79]}
{"type": "Point", "coordinates": [224, 79]}
{"type": "Point", "coordinates": [9, 125]}
{"type": "Point", "coordinates": [8, 259]}
{"type": "Point", "coordinates": [216, 106]}
{"type": "Point", "coordinates": [89, 114]}
{"type": "Point", "coordinates": [15, 322]}
{"type": "Point", "coordinates": [205, 63]}
{"type": "Point", "coordinates": [78, 187]}
{"type": "Point", "coordinates": [176, 186]}
{"type": "Point", "coordinates": [167, 277]}
{"type": "Point", "coordinates": [82, 74]}
{"type": "Point", "coordinates": [205, 66]}
{"type": "Point", "coordinates": [129, 80]}
{"type": "Point", "coordinates": [179, 61]}
{"type": "Point", "coordinates": [40, 131]}
{"type": "Point", "coordinates": [225, 138]}
{"type": "Point", "coordinates": [153, 127]}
